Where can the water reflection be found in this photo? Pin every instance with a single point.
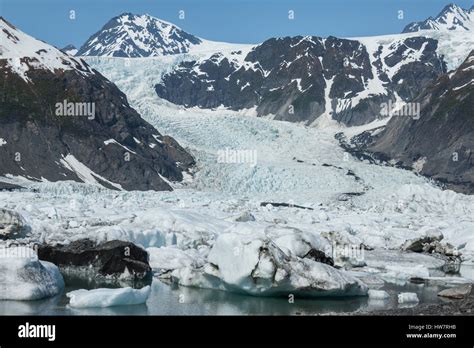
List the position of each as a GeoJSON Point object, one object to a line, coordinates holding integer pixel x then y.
{"type": "Point", "coordinates": [170, 299]}
{"type": "Point", "coordinates": [166, 299]}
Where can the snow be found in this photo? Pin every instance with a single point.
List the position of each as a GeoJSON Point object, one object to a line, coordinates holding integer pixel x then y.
{"type": "Point", "coordinates": [182, 228]}
{"type": "Point", "coordinates": [15, 46]}
{"type": "Point", "coordinates": [459, 87]}
{"type": "Point", "coordinates": [83, 172]}
{"type": "Point", "coordinates": [454, 46]}
{"type": "Point", "coordinates": [326, 120]}
{"type": "Point", "coordinates": [23, 277]}
{"type": "Point", "coordinates": [154, 37]}
{"type": "Point", "coordinates": [71, 52]}
{"type": "Point", "coordinates": [113, 141]}
{"type": "Point", "coordinates": [108, 297]}
{"type": "Point", "coordinates": [452, 18]}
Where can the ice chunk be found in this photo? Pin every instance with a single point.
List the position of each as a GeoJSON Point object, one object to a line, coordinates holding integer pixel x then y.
{"type": "Point", "coordinates": [24, 277]}
{"type": "Point", "coordinates": [108, 297]}
{"type": "Point", "coordinates": [378, 295]}
{"type": "Point", "coordinates": [407, 297]}
{"type": "Point", "coordinates": [249, 261]}
{"type": "Point", "coordinates": [404, 273]}
{"type": "Point", "coordinates": [168, 258]}
{"type": "Point", "coordinates": [294, 241]}
{"type": "Point", "coordinates": [12, 225]}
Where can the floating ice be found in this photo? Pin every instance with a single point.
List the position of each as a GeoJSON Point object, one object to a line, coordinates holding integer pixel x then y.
{"type": "Point", "coordinates": [378, 295]}
{"type": "Point", "coordinates": [250, 262]}
{"type": "Point", "coordinates": [24, 277]}
{"type": "Point", "coordinates": [407, 297]}
{"type": "Point", "coordinates": [108, 297]}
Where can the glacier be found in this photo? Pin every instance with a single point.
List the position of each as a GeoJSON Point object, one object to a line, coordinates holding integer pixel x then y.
{"type": "Point", "coordinates": [191, 230]}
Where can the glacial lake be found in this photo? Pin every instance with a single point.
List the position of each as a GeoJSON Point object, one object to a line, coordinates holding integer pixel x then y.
{"type": "Point", "coordinates": [166, 299]}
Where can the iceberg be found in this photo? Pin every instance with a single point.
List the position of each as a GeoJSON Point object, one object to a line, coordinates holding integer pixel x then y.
{"type": "Point", "coordinates": [378, 295]}
{"type": "Point", "coordinates": [108, 297]}
{"type": "Point", "coordinates": [408, 297]}
{"type": "Point", "coordinates": [24, 277]}
{"type": "Point", "coordinates": [252, 262]}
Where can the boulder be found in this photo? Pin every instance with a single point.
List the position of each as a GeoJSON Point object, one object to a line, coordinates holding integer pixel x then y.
{"type": "Point", "coordinates": [12, 225]}
{"type": "Point", "coordinates": [458, 292]}
{"type": "Point", "coordinates": [115, 258]}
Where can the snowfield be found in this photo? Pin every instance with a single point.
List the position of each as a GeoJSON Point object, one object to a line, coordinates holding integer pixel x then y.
{"type": "Point", "coordinates": [202, 235]}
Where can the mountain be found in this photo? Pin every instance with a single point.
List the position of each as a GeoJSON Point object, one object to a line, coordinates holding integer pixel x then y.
{"type": "Point", "coordinates": [303, 79]}
{"type": "Point", "coordinates": [130, 35]}
{"type": "Point", "coordinates": [62, 120]}
{"type": "Point", "coordinates": [452, 17]}
{"type": "Point", "coordinates": [69, 50]}
{"type": "Point", "coordinates": [440, 143]}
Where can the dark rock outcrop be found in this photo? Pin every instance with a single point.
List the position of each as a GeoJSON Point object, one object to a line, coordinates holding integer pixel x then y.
{"type": "Point", "coordinates": [319, 256]}
{"type": "Point", "coordinates": [5, 186]}
{"type": "Point", "coordinates": [114, 258]}
{"type": "Point", "coordinates": [440, 143]}
{"type": "Point", "coordinates": [298, 79]}
{"type": "Point", "coordinates": [113, 146]}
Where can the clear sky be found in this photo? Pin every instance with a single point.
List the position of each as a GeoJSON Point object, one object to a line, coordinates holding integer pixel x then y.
{"type": "Point", "coordinates": [239, 21]}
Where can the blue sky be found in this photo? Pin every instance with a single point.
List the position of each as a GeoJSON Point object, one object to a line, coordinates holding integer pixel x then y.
{"type": "Point", "coordinates": [240, 21]}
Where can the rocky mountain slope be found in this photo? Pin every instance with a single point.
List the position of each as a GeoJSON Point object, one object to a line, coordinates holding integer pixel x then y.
{"type": "Point", "coordinates": [62, 120]}
{"type": "Point", "coordinates": [300, 79]}
{"type": "Point", "coordinates": [440, 143]}
{"type": "Point", "coordinates": [452, 17]}
{"type": "Point", "coordinates": [320, 81]}
{"type": "Point", "coordinates": [130, 35]}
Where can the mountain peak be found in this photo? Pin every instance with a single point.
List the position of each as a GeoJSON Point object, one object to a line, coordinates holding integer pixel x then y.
{"type": "Point", "coordinates": [23, 53]}
{"type": "Point", "coordinates": [451, 7]}
{"type": "Point", "coordinates": [67, 120]}
{"type": "Point", "coordinates": [452, 17]}
{"type": "Point", "coordinates": [69, 50]}
{"type": "Point", "coordinates": [134, 35]}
